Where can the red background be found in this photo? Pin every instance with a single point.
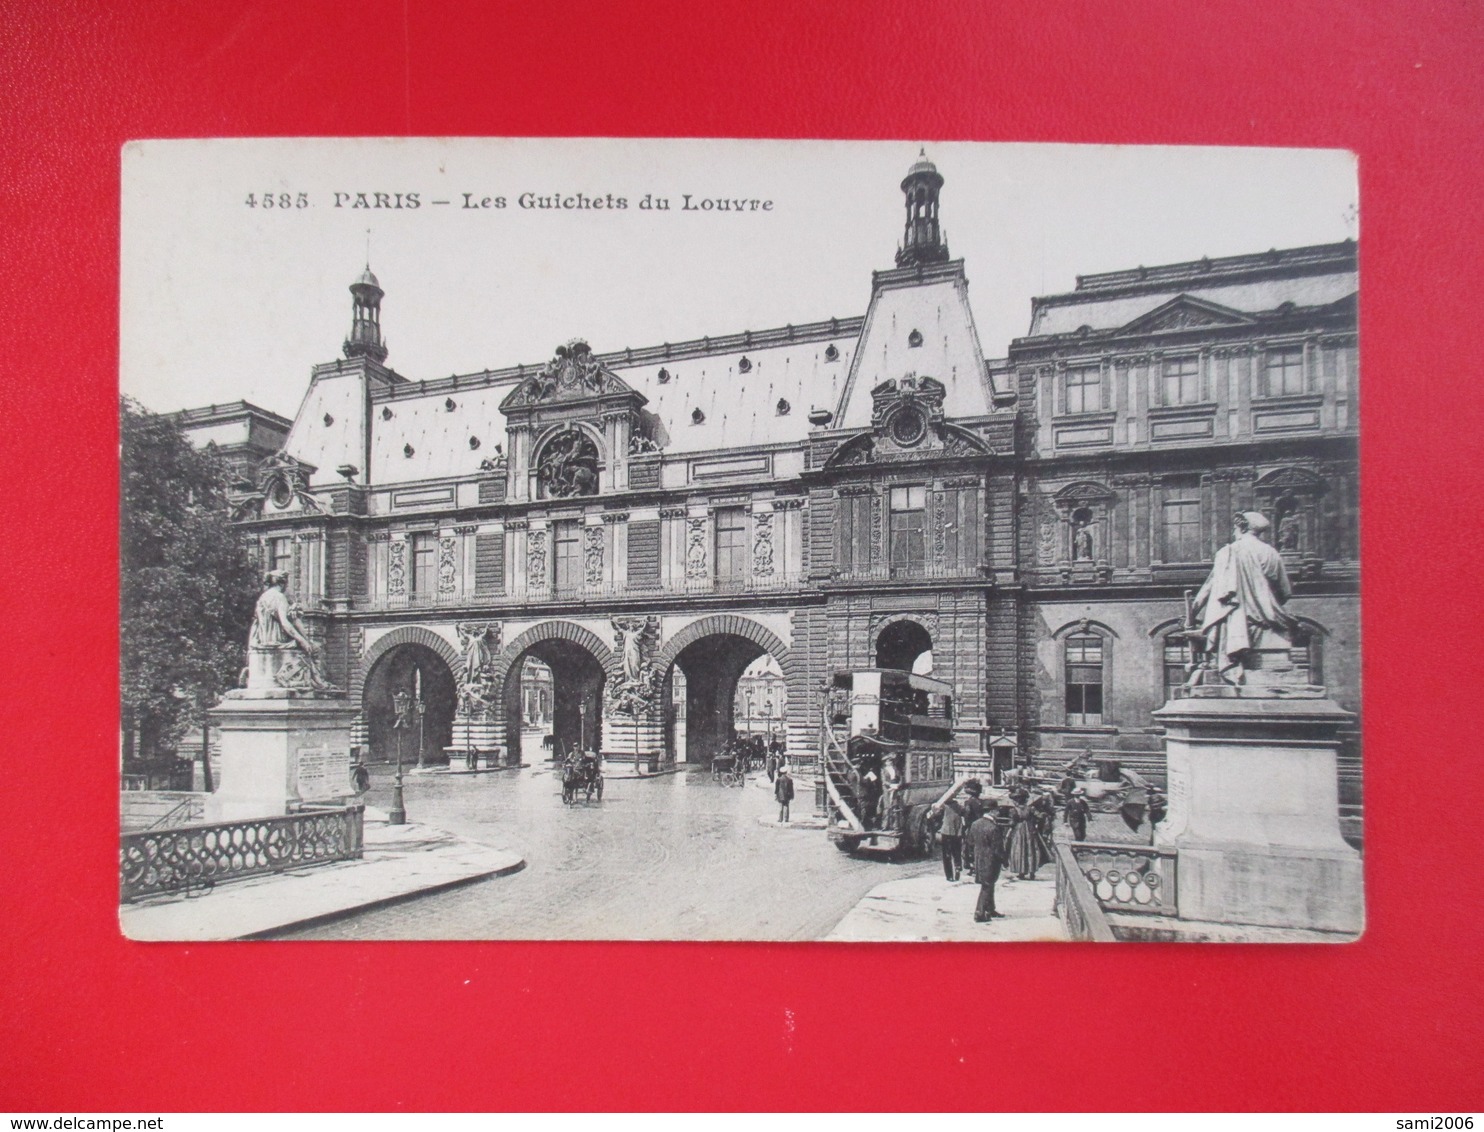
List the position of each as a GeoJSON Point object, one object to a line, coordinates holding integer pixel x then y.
{"type": "Point", "coordinates": [89, 1021]}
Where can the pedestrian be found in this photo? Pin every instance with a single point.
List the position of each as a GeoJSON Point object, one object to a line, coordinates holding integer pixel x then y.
{"type": "Point", "coordinates": [1026, 853]}
{"type": "Point", "coordinates": [1077, 813]}
{"type": "Point", "coordinates": [952, 840]}
{"type": "Point", "coordinates": [783, 790]}
{"type": "Point", "coordinates": [949, 816]}
{"type": "Point", "coordinates": [988, 841]}
{"type": "Point", "coordinates": [771, 763]}
{"type": "Point", "coordinates": [968, 811]}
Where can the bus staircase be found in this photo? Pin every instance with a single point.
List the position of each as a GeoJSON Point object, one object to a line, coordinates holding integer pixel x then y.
{"type": "Point", "coordinates": [837, 778]}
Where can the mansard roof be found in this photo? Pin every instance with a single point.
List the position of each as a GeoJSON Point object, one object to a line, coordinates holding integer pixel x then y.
{"type": "Point", "coordinates": [750, 388]}
{"type": "Point", "coordinates": [1231, 287]}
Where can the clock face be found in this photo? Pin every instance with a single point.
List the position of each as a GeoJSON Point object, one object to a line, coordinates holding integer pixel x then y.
{"type": "Point", "coordinates": [908, 427]}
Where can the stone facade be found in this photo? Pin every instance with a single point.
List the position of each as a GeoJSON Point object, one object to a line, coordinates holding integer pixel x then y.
{"type": "Point", "coordinates": [843, 494]}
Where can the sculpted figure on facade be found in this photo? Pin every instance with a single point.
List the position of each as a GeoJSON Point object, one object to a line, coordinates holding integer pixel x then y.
{"type": "Point", "coordinates": [478, 642]}
{"type": "Point", "coordinates": [569, 465]}
{"type": "Point", "coordinates": [1242, 600]}
{"type": "Point", "coordinates": [280, 653]}
{"type": "Point", "coordinates": [635, 639]}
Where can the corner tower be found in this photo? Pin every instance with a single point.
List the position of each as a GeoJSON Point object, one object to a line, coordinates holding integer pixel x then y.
{"type": "Point", "coordinates": [922, 242]}
{"type": "Point", "coordinates": [365, 327]}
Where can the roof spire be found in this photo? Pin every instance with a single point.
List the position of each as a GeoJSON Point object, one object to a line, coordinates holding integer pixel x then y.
{"type": "Point", "coordinates": [365, 325]}
{"type": "Point", "coordinates": [923, 241]}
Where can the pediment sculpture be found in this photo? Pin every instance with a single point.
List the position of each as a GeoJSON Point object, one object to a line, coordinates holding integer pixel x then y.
{"type": "Point", "coordinates": [573, 373]}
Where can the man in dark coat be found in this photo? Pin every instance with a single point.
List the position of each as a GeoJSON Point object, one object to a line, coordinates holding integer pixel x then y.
{"type": "Point", "coordinates": [1077, 813]}
{"type": "Point", "coordinates": [783, 791]}
{"type": "Point", "coordinates": [988, 841]}
{"type": "Point", "coordinates": [969, 810]}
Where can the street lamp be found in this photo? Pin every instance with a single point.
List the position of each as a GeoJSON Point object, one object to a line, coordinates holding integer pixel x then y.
{"type": "Point", "coordinates": [401, 708]}
{"type": "Point", "coordinates": [422, 706]}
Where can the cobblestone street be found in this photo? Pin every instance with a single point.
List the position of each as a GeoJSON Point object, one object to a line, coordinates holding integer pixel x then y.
{"type": "Point", "coordinates": [673, 857]}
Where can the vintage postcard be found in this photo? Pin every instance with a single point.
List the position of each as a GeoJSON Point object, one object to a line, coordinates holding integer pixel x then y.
{"type": "Point", "coordinates": [736, 540]}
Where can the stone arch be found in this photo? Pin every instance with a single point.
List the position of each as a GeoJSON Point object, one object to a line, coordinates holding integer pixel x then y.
{"type": "Point", "coordinates": [405, 635]}
{"type": "Point", "coordinates": [1085, 625]}
{"type": "Point", "coordinates": [797, 712]}
{"type": "Point", "coordinates": [557, 631]}
{"type": "Point", "coordinates": [731, 625]}
{"type": "Point", "coordinates": [926, 622]}
{"type": "Point", "coordinates": [376, 675]}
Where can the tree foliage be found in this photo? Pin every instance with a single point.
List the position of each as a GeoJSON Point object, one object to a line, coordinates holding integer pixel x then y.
{"type": "Point", "coordinates": [187, 585]}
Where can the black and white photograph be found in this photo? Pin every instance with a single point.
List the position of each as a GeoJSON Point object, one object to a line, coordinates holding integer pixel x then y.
{"type": "Point", "coordinates": [595, 539]}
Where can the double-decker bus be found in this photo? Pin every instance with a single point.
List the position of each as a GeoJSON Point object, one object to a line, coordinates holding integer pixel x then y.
{"type": "Point", "coordinates": [887, 750]}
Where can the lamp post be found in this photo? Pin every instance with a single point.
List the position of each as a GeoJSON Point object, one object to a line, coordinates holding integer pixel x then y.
{"type": "Point", "coordinates": [401, 707]}
{"type": "Point", "coordinates": [421, 706]}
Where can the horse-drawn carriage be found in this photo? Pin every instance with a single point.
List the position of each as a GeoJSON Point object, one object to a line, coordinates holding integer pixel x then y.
{"type": "Point", "coordinates": [582, 774]}
{"type": "Point", "coordinates": [738, 757]}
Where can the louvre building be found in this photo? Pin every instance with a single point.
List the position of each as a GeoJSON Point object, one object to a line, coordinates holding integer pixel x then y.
{"type": "Point", "coordinates": [632, 530]}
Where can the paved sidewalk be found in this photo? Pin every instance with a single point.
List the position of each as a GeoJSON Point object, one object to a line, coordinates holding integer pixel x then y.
{"type": "Point", "coordinates": [929, 908]}
{"type": "Point", "coordinates": [400, 861]}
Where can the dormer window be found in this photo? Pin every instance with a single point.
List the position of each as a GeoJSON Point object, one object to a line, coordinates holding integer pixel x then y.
{"type": "Point", "coordinates": [449, 405]}
{"type": "Point", "coordinates": [744, 365]}
{"type": "Point", "coordinates": [697, 417]}
{"type": "Point", "coordinates": [783, 407]}
{"type": "Point", "coordinates": [663, 377]}
{"type": "Point", "coordinates": [831, 354]}
{"type": "Point", "coordinates": [914, 339]}
{"type": "Point", "coordinates": [473, 443]}
{"type": "Point", "coordinates": [386, 413]}
{"type": "Point", "coordinates": [329, 420]}
{"type": "Point", "coordinates": [408, 450]}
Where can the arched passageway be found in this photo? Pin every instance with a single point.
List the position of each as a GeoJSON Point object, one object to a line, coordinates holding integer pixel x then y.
{"type": "Point", "coordinates": [573, 681]}
{"type": "Point", "coordinates": [905, 645]}
{"type": "Point", "coordinates": [427, 680]}
{"type": "Point", "coordinates": [707, 679]}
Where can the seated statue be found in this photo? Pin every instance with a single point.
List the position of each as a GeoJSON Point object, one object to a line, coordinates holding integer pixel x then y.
{"type": "Point", "coordinates": [280, 654]}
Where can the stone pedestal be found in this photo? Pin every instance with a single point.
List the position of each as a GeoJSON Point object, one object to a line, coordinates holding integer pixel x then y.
{"type": "Point", "coordinates": [280, 749]}
{"type": "Point", "coordinates": [1254, 808]}
{"type": "Point", "coordinates": [481, 738]}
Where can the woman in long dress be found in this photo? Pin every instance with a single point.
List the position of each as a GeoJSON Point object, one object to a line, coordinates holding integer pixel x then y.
{"type": "Point", "coordinates": [1026, 852]}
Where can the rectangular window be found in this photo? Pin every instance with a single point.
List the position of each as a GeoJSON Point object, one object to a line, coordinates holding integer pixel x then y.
{"type": "Point", "coordinates": [908, 515]}
{"type": "Point", "coordinates": [1182, 524]}
{"type": "Point", "coordinates": [424, 564]}
{"type": "Point", "coordinates": [566, 555]}
{"type": "Point", "coordinates": [1084, 389]}
{"type": "Point", "coordinates": [1084, 681]}
{"type": "Point", "coordinates": [280, 554]}
{"type": "Point", "coordinates": [1182, 381]}
{"type": "Point", "coordinates": [1284, 371]}
{"type": "Point", "coordinates": [732, 559]}
{"type": "Point", "coordinates": [1175, 660]}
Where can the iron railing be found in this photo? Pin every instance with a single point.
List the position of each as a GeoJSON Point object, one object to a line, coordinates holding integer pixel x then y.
{"type": "Point", "coordinates": [198, 856]}
{"type": "Point", "coordinates": [597, 591]}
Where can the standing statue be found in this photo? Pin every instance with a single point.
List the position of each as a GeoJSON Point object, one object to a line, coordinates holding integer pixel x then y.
{"type": "Point", "coordinates": [630, 635]}
{"type": "Point", "coordinates": [476, 689]}
{"type": "Point", "coordinates": [634, 694]}
{"type": "Point", "coordinates": [280, 653]}
{"type": "Point", "coordinates": [1241, 599]}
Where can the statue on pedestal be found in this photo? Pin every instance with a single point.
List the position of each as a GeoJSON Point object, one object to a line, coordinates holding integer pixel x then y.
{"type": "Point", "coordinates": [280, 653]}
{"type": "Point", "coordinates": [1241, 603]}
{"type": "Point", "coordinates": [476, 688]}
